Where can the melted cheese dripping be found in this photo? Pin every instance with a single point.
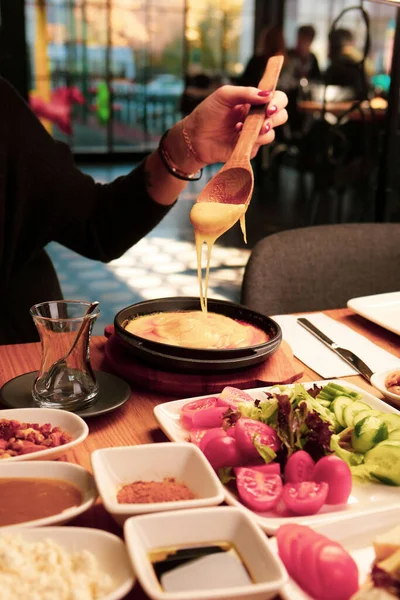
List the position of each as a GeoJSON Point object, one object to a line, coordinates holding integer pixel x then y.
{"type": "Point", "coordinates": [210, 220]}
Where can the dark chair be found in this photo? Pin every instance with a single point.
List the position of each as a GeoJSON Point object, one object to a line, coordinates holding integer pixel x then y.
{"type": "Point", "coordinates": [321, 267]}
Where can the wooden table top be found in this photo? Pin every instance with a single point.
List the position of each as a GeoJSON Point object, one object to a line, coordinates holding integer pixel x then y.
{"type": "Point", "coordinates": [134, 422]}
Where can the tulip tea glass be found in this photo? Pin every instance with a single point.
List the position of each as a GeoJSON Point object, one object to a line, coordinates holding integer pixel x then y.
{"type": "Point", "coordinates": [65, 379]}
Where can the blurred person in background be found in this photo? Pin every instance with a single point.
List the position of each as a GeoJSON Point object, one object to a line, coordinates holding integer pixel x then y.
{"type": "Point", "coordinates": [303, 64]}
{"type": "Point", "coordinates": [301, 70]}
{"type": "Point", "coordinates": [44, 197]}
{"type": "Point", "coordinates": [348, 67]}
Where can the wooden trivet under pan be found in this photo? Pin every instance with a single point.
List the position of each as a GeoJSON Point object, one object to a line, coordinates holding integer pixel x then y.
{"type": "Point", "coordinates": [280, 367]}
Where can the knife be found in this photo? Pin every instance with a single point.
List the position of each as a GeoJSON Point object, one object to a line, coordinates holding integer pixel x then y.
{"type": "Point", "coordinates": [345, 354]}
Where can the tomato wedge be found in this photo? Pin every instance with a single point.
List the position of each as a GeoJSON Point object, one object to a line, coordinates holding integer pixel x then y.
{"type": "Point", "coordinates": [336, 473]}
{"type": "Point", "coordinates": [191, 408]}
{"type": "Point", "coordinates": [299, 467]}
{"type": "Point", "coordinates": [305, 497]}
{"type": "Point", "coordinates": [196, 435]}
{"type": "Point", "coordinates": [209, 417]}
{"type": "Point", "coordinates": [247, 429]}
{"type": "Point", "coordinates": [223, 452]}
{"type": "Point", "coordinates": [209, 435]}
{"type": "Point", "coordinates": [258, 491]}
{"type": "Point", "coordinates": [272, 468]}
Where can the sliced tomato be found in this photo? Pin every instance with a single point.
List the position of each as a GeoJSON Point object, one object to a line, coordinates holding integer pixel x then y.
{"type": "Point", "coordinates": [211, 434]}
{"type": "Point", "coordinates": [302, 558]}
{"type": "Point", "coordinates": [247, 429]}
{"type": "Point", "coordinates": [196, 435]}
{"type": "Point", "coordinates": [259, 491]}
{"type": "Point", "coordinates": [336, 473]}
{"type": "Point", "coordinates": [299, 467]}
{"type": "Point", "coordinates": [285, 537]}
{"type": "Point", "coordinates": [191, 408]}
{"type": "Point", "coordinates": [223, 452]}
{"type": "Point", "coordinates": [270, 468]}
{"type": "Point", "coordinates": [338, 573]}
{"type": "Point", "coordinates": [305, 497]}
{"type": "Point", "coordinates": [310, 558]}
{"type": "Point", "coordinates": [231, 397]}
{"type": "Point", "coordinates": [209, 417]}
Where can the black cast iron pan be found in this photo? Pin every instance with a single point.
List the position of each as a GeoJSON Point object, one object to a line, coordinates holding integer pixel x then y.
{"type": "Point", "coordinates": [177, 358]}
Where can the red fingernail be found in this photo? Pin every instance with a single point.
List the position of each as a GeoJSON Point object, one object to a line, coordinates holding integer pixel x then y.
{"type": "Point", "coordinates": [265, 129]}
{"type": "Point", "coordinates": [271, 110]}
{"type": "Point", "coordinates": [264, 93]}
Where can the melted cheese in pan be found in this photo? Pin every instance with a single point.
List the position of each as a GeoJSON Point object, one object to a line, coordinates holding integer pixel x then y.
{"type": "Point", "coordinates": [201, 329]}
{"type": "Point", "coordinates": [196, 329]}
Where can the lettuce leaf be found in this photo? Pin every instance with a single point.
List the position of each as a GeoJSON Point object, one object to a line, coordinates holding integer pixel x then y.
{"type": "Point", "coordinates": [266, 453]}
{"type": "Point", "coordinates": [260, 410]}
{"type": "Point", "coordinates": [226, 474]}
{"type": "Point", "coordinates": [351, 458]}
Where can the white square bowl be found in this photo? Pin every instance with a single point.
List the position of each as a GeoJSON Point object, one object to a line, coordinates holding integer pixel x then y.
{"type": "Point", "coordinates": [204, 526]}
{"type": "Point", "coordinates": [115, 467]}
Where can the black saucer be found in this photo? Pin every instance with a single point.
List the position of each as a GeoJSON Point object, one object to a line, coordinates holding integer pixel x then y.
{"type": "Point", "coordinates": [113, 392]}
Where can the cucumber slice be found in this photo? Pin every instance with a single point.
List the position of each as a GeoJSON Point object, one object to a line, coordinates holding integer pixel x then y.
{"type": "Point", "coordinates": [339, 404]}
{"type": "Point", "coordinates": [367, 433]}
{"type": "Point", "coordinates": [383, 462]}
{"type": "Point", "coordinates": [366, 413]}
{"type": "Point", "coordinates": [352, 409]}
{"type": "Point", "coordinates": [392, 421]}
{"type": "Point", "coordinates": [325, 403]}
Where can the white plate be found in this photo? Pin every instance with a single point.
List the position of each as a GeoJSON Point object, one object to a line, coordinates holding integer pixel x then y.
{"type": "Point", "coordinates": [378, 381]}
{"type": "Point", "coordinates": [109, 550]}
{"type": "Point", "coordinates": [68, 472]}
{"type": "Point", "coordinates": [69, 422]}
{"type": "Point", "coordinates": [356, 537]}
{"type": "Point", "coordinates": [365, 499]}
{"type": "Point", "coordinates": [383, 309]}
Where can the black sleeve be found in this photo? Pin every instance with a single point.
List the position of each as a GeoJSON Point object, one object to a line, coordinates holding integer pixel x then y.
{"type": "Point", "coordinates": [56, 201]}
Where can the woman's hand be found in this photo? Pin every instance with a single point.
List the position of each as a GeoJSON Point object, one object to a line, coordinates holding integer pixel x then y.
{"type": "Point", "coordinates": [212, 129]}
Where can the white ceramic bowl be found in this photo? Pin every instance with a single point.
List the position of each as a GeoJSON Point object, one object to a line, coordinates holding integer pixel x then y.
{"type": "Point", "coordinates": [109, 550]}
{"type": "Point", "coordinates": [73, 474]}
{"type": "Point", "coordinates": [378, 381]}
{"type": "Point", "coordinates": [115, 467]}
{"type": "Point", "coordinates": [205, 526]}
{"type": "Point", "coordinates": [69, 422]}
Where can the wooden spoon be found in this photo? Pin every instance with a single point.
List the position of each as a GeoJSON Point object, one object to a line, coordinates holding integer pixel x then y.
{"type": "Point", "coordinates": [234, 183]}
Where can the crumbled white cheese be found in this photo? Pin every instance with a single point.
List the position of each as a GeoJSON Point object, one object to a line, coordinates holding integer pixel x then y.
{"type": "Point", "coordinates": [45, 571]}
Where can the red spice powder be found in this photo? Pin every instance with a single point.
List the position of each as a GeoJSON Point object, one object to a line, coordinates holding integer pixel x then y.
{"type": "Point", "coordinates": [167, 490]}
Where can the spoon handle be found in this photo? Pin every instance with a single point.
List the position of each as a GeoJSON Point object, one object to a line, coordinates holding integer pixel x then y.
{"type": "Point", "coordinates": [255, 118]}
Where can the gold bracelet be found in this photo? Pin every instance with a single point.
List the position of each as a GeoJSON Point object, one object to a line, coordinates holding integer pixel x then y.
{"type": "Point", "coordinates": [168, 163]}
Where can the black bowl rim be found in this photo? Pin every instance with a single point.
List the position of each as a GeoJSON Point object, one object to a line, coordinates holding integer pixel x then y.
{"type": "Point", "coordinates": [169, 350]}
